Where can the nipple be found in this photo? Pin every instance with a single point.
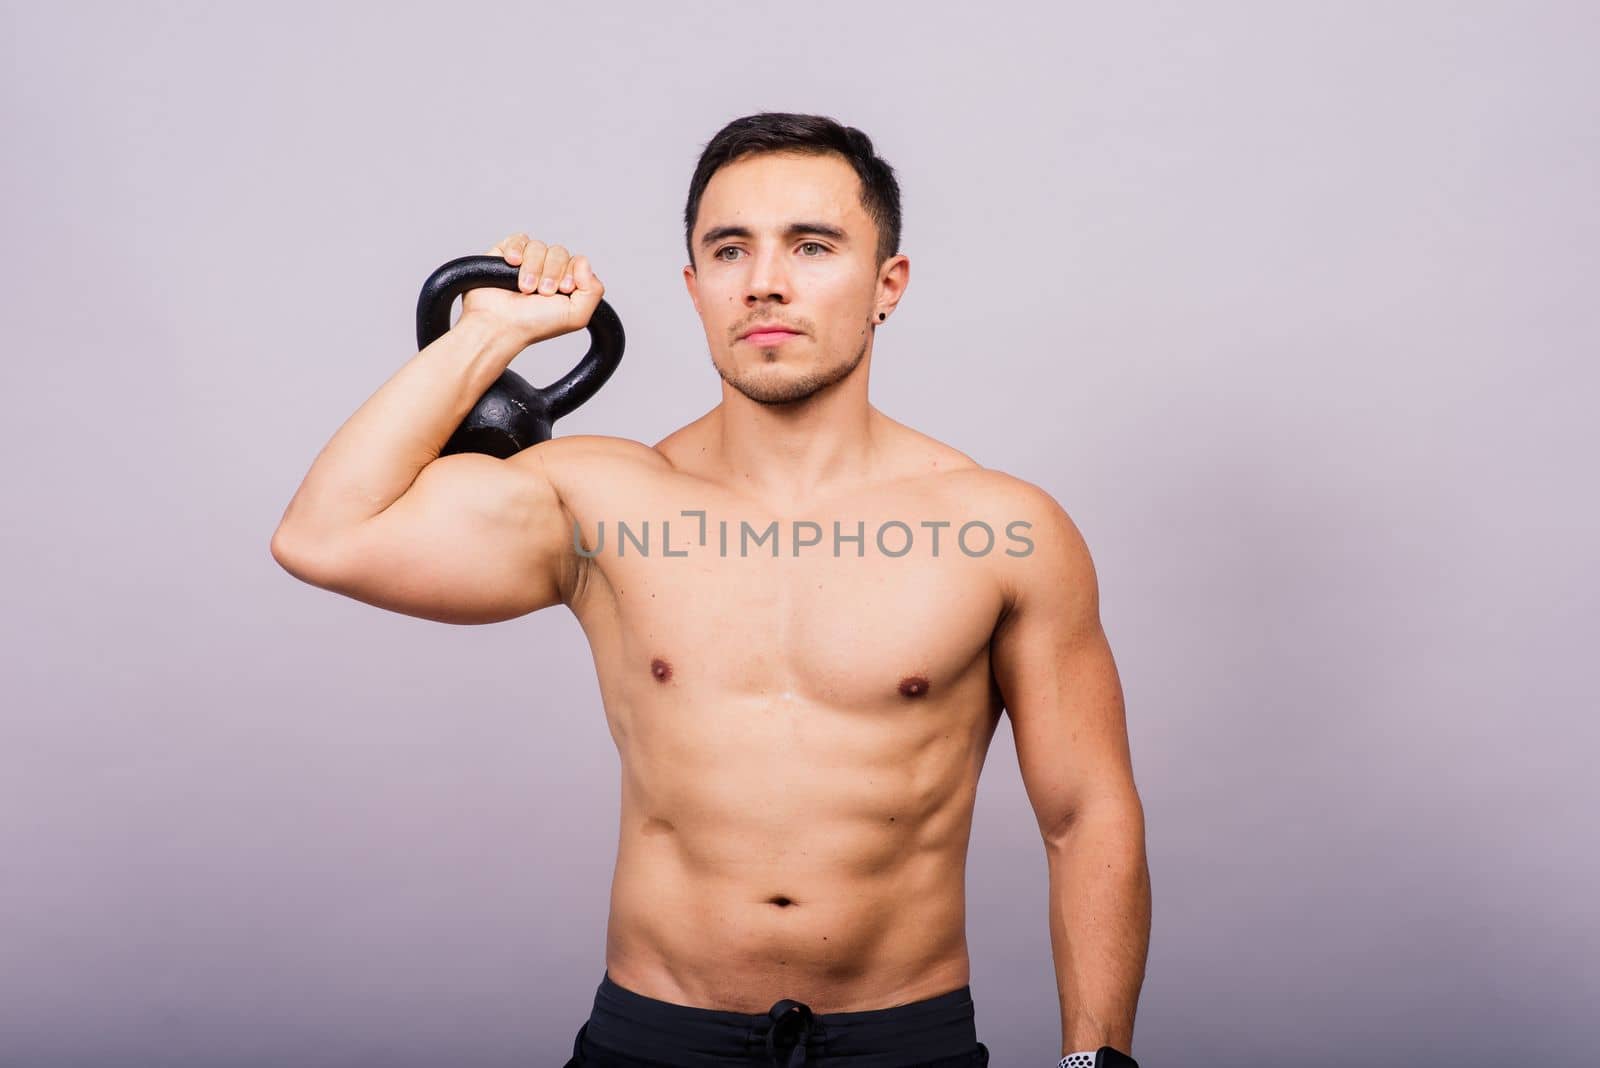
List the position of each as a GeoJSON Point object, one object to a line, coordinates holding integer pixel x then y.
{"type": "Point", "coordinates": [660, 669]}
{"type": "Point", "coordinates": [913, 686]}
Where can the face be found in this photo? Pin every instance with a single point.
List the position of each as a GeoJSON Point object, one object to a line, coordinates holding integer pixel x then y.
{"type": "Point", "coordinates": [783, 240]}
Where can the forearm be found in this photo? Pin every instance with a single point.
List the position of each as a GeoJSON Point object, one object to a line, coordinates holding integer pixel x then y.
{"type": "Point", "coordinates": [379, 451]}
{"type": "Point", "coordinates": [1099, 925]}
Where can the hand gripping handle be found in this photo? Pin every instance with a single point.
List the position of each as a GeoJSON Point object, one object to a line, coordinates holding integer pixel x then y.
{"type": "Point", "coordinates": [511, 415]}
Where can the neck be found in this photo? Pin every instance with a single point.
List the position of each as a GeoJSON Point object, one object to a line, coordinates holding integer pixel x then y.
{"type": "Point", "coordinates": [787, 454]}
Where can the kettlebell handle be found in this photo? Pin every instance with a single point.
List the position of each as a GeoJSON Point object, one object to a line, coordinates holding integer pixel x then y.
{"type": "Point", "coordinates": [511, 415]}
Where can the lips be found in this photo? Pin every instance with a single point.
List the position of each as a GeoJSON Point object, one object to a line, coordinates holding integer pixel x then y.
{"type": "Point", "coordinates": [767, 332]}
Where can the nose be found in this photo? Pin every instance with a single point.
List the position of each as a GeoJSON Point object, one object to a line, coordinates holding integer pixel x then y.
{"type": "Point", "coordinates": [768, 278]}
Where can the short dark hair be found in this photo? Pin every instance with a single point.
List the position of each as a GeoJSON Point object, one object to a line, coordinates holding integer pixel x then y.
{"type": "Point", "coordinates": [781, 131]}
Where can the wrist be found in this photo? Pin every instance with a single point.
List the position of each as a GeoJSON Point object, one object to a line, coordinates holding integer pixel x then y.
{"type": "Point", "coordinates": [488, 332]}
{"type": "Point", "coordinates": [1104, 1057]}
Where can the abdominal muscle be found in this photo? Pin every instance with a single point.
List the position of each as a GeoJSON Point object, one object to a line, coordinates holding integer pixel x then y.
{"type": "Point", "coordinates": [758, 862]}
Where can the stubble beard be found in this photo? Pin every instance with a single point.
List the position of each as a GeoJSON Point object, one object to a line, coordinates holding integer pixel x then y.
{"type": "Point", "coordinates": [793, 390]}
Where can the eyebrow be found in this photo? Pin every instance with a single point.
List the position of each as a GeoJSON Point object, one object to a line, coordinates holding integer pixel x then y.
{"type": "Point", "coordinates": [793, 230]}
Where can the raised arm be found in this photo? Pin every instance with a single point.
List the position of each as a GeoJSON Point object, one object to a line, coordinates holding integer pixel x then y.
{"type": "Point", "coordinates": [1060, 685]}
{"type": "Point", "coordinates": [473, 540]}
{"type": "Point", "coordinates": [383, 518]}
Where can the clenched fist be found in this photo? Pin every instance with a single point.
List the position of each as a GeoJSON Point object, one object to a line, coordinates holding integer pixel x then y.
{"type": "Point", "coordinates": [556, 294]}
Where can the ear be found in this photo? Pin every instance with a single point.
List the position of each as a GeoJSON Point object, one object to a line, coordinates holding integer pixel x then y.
{"type": "Point", "coordinates": [692, 284]}
{"type": "Point", "coordinates": [893, 279]}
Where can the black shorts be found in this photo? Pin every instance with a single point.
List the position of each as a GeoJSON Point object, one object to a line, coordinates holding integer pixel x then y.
{"type": "Point", "coordinates": [629, 1030]}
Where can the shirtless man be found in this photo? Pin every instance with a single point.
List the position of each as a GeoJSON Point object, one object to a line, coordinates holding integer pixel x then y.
{"type": "Point", "coordinates": [804, 639]}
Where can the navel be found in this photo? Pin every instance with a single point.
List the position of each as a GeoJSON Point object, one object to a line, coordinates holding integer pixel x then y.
{"type": "Point", "coordinates": [780, 901]}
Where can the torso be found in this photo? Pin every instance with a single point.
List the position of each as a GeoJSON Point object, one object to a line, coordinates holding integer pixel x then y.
{"type": "Point", "coordinates": [800, 737]}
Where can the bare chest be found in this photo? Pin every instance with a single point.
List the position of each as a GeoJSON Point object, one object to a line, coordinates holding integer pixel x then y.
{"type": "Point", "coordinates": [846, 608]}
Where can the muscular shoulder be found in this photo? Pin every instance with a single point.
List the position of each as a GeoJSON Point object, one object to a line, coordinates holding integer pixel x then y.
{"type": "Point", "coordinates": [974, 492]}
{"type": "Point", "coordinates": [583, 466]}
{"type": "Point", "coordinates": [1048, 556]}
{"type": "Point", "coordinates": [579, 448]}
{"type": "Point", "coordinates": [577, 452]}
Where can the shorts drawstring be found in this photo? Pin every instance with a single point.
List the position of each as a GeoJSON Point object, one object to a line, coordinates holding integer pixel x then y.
{"type": "Point", "coordinates": [626, 1027]}
{"type": "Point", "coordinates": [792, 1021]}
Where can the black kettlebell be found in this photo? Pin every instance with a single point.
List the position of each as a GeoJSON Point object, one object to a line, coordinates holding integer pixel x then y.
{"type": "Point", "coordinates": [512, 415]}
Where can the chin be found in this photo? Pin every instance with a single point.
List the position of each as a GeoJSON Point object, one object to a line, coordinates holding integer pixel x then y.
{"type": "Point", "coordinates": [773, 382]}
{"type": "Point", "coordinates": [777, 389]}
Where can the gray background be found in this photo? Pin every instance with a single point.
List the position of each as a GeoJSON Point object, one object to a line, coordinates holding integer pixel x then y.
{"type": "Point", "coordinates": [1291, 306]}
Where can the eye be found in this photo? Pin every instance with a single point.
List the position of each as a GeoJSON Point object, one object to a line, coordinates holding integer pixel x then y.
{"type": "Point", "coordinates": [814, 244]}
{"type": "Point", "coordinates": [718, 255]}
